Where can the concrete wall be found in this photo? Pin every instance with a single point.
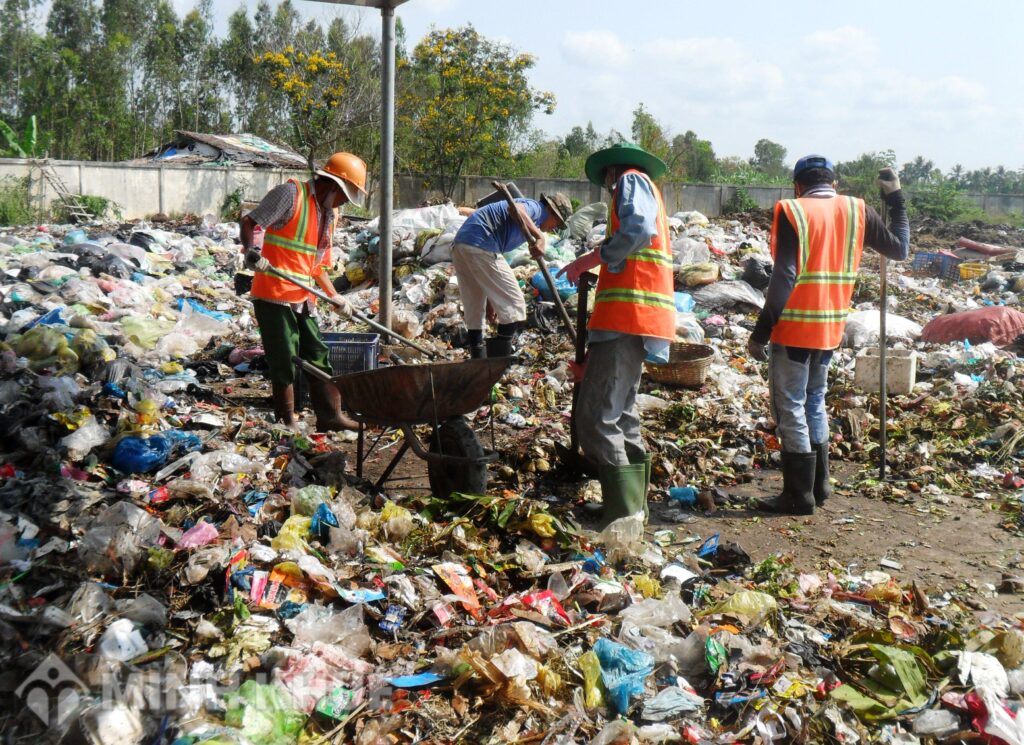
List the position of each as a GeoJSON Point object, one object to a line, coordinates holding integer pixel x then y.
{"type": "Point", "coordinates": [142, 190]}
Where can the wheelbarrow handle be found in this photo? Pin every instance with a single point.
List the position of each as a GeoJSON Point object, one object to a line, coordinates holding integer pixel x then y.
{"type": "Point", "coordinates": [313, 370]}
{"type": "Point", "coordinates": [270, 269]}
{"type": "Point", "coordinates": [513, 211]}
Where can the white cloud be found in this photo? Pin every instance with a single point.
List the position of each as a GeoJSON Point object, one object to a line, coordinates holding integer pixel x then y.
{"type": "Point", "coordinates": [595, 48]}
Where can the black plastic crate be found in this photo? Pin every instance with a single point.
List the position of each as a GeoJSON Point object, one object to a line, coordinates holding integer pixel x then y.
{"type": "Point", "coordinates": [348, 353]}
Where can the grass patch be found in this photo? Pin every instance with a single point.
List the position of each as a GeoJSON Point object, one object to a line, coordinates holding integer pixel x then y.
{"type": "Point", "coordinates": [15, 208]}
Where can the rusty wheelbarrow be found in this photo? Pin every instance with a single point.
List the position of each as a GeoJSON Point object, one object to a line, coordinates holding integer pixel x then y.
{"type": "Point", "coordinates": [437, 394]}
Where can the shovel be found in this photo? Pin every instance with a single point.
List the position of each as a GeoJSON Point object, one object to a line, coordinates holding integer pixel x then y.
{"type": "Point", "coordinates": [572, 457]}
{"type": "Point", "coordinates": [270, 269]}
{"type": "Point", "coordinates": [514, 212]}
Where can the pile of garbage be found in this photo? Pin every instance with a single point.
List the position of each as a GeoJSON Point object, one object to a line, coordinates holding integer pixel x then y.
{"type": "Point", "coordinates": [177, 568]}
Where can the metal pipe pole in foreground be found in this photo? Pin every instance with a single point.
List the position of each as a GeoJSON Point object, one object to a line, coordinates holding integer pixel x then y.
{"type": "Point", "coordinates": [387, 163]}
{"type": "Point", "coordinates": [883, 388]}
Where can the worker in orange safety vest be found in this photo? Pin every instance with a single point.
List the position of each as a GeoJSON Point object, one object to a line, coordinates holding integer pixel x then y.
{"type": "Point", "coordinates": [298, 220]}
{"type": "Point", "coordinates": [634, 319]}
{"type": "Point", "coordinates": [816, 242]}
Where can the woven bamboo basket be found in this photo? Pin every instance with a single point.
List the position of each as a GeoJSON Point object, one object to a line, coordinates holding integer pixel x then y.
{"type": "Point", "coordinates": [687, 365]}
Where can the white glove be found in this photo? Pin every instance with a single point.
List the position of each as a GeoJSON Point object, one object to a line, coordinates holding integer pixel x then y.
{"type": "Point", "coordinates": [888, 181]}
{"type": "Point", "coordinates": [342, 307]}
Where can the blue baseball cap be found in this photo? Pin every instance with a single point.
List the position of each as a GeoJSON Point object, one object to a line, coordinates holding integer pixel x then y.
{"type": "Point", "coordinates": [812, 161]}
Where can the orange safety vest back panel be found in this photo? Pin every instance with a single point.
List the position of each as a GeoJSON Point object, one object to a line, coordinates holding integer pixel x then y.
{"type": "Point", "coordinates": [830, 241]}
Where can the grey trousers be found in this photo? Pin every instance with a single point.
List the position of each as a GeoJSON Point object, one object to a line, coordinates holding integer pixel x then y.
{"type": "Point", "coordinates": [606, 418]}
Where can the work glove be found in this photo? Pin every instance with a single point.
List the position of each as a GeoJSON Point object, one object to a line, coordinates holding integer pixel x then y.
{"type": "Point", "coordinates": [252, 258]}
{"type": "Point", "coordinates": [342, 307]}
{"type": "Point", "coordinates": [888, 181]}
{"type": "Point", "coordinates": [577, 370]}
{"type": "Point", "coordinates": [582, 265]}
{"type": "Point", "coordinates": [757, 350]}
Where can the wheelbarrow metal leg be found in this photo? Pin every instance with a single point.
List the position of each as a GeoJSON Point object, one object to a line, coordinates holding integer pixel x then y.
{"type": "Point", "coordinates": [394, 462]}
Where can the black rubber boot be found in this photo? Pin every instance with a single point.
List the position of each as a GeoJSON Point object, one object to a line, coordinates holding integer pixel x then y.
{"type": "Point", "coordinates": [797, 497]}
{"type": "Point", "coordinates": [478, 352]}
{"type": "Point", "coordinates": [499, 346]}
{"type": "Point", "coordinates": [822, 478]}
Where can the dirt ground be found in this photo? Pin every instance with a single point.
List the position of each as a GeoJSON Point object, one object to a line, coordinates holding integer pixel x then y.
{"type": "Point", "coordinates": [955, 545]}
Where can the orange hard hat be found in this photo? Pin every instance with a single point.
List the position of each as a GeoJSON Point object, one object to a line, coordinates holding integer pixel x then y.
{"type": "Point", "coordinates": [349, 171]}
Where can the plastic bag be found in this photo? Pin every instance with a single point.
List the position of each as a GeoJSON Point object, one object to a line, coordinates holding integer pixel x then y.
{"type": "Point", "coordinates": [564, 288]}
{"type": "Point", "coordinates": [135, 454]}
{"type": "Point", "coordinates": [863, 328]}
{"type": "Point", "coordinates": [321, 623]}
{"type": "Point", "coordinates": [145, 332]}
{"type": "Point", "coordinates": [748, 603]}
{"type": "Point", "coordinates": [90, 434]}
{"type": "Point", "coordinates": [727, 294]}
{"type": "Point", "coordinates": [264, 714]}
{"type": "Point", "coordinates": [122, 641]}
{"type": "Point", "coordinates": [757, 271]}
{"type": "Point", "coordinates": [688, 251]}
{"type": "Point", "coordinates": [593, 687]}
{"type": "Point", "coordinates": [292, 536]}
{"type": "Point", "coordinates": [684, 302]}
{"type": "Point", "coordinates": [117, 538]}
{"type": "Point", "coordinates": [695, 275]}
{"type": "Point", "coordinates": [653, 612]}
{"type": "Point", "coordinates": [623, 671]}
{"type": "Point", "coordinates": [623, 537]}
{"type": "Point", "coordinates": [308, 498]}
{"type": "Point", "coordinates": [688, 328]}
{"type": "Point", "coordinates": [582, 220]}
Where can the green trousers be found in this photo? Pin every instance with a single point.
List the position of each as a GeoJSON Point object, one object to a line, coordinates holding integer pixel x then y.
{"type": "Point", "coordinates": [285, 334]}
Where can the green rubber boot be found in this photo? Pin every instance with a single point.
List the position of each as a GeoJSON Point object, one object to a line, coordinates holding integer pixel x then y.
{"type": "Point", "coordinates": [623, 491]}
{"type": "Point", "coordinates": [636, 458]}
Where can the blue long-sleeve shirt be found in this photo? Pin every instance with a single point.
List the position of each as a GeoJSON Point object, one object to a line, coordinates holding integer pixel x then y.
{"type": "Point", "coordinates": [637, 210]}
{"type": "Point", "coordinates": [492, 229]}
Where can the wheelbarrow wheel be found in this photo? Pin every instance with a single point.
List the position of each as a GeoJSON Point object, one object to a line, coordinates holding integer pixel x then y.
{"type": "Point", "coordinates": [455, 437]}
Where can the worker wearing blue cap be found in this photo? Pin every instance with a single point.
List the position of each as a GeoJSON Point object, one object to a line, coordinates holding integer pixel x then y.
{"type": "Point", "coordinates": [816, 242]}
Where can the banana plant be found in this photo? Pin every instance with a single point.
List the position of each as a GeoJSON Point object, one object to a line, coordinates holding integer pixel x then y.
{"type": "Point", "coordinates": [27, 146]}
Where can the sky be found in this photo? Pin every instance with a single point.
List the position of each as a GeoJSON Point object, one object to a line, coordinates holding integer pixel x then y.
{"type": "Point", "coordinates": [939, 79]}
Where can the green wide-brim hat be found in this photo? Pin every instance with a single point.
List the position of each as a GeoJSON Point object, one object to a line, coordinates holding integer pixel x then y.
{"type": "Point", "coordinates": [623, 154]}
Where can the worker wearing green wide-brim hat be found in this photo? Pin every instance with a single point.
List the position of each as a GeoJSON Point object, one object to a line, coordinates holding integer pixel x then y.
{"type": "Point", "coordinates": [623, 154]}
{"type": "Point", "coordinates": [634, 319]}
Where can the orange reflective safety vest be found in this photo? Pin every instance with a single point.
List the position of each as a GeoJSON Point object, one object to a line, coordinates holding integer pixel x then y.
{"type": "Point", "coordinates": [292, 250]}
{"type": "Point", "coordinates": [830, 239]}
{"type": "Point", "coordinates": [641, 298]}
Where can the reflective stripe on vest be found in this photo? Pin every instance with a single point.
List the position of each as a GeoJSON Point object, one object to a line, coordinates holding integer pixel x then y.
{"type": "Point", "coordinates": [292, 250]}
{"type": "Point", "coordinates": [830, 241]}
{"type": "Point", "coordinates": [641, 298]}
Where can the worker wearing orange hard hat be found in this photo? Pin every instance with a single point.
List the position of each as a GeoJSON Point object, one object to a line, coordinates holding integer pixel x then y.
{"type": "Point", "coordinates": [291, 229]}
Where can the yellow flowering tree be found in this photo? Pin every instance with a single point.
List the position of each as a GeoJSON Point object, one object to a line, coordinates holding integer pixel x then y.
{"type": "Point", "coordinates": [465, 100]}
{"type": "Point", "coordinates": [313, 84]}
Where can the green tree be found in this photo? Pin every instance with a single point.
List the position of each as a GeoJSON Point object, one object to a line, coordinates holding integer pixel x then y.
{"type": "Point", "coordinates": [314, 84]}
{"type": "Point", "coordinates": [770, 159]}
{"type": "Point", "coordinates": [466, 102]}
{"type": "Point", "coordinates": [857, 177]}
{"type": "Point", "coordinates": [649, 134]}
{"type": "Point", "coordinates": [692, 158]}
{"type": "Point", "coordinates": [919, 171]}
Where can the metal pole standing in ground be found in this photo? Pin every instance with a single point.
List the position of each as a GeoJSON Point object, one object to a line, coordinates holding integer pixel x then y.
{"type": "Point", "coordinates": [387, 163]}
{"type": "Point", "coordinates": [883, 390]}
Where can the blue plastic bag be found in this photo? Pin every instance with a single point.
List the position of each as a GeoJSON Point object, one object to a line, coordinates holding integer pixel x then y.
{"type": "Point", "coordinates": [684, 302]}
{"type": "Point", "coordinates": [623, 671]}
{"type": "Point", "coordinates": [323, 521]}
{"type": "Point", "coordinates": [562, 284]}
{"type": "Point", "coordinates": [136, 454]}
{"type": "Point", "coordinates": [200, 308]}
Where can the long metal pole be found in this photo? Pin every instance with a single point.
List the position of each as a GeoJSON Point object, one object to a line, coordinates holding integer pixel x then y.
{"type": "Point", "coordinates": [883, 389]}
{"type": "Point", "coordinates": [387, 158]}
